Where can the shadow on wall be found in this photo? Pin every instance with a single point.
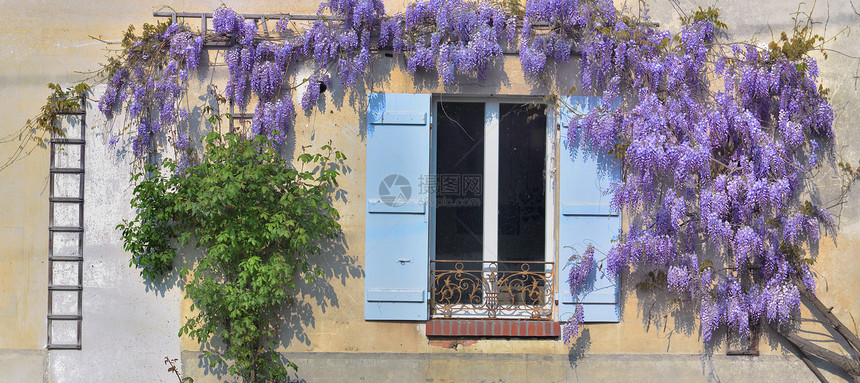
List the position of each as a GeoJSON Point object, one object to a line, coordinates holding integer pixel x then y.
{"type": "Point", "coordinates": [319, 294]}
{"type": "Point", "coordinates": [580, 348]}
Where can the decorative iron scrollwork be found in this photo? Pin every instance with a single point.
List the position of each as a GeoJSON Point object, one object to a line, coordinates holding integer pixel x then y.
{"type": "Point", "coordinates": [477, 289]}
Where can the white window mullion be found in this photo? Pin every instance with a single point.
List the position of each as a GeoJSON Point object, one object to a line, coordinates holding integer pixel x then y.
{"type": "Point", "coordinates": [430, 186]}
{"type": "Point", "coordinates": [550, 174]}
{"type": "Point", "coordinates": [491, 182]}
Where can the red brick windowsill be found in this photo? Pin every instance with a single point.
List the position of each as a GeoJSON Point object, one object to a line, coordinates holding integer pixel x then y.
{"type": "Point", "coordinates": [493, 328]}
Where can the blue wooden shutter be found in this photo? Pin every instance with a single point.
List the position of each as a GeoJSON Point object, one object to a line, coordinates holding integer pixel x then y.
{"type": "Point", "coordinates": [397, 226]}
{"type": "Point", "coordinates": [585, 218]}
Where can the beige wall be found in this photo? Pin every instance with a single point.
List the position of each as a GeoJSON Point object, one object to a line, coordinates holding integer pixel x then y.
{"type": "Point", "coordinates": [49, 42]}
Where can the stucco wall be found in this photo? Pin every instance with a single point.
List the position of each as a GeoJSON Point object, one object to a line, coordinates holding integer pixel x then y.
{"type": "Point", "coordinates": [130, 326]}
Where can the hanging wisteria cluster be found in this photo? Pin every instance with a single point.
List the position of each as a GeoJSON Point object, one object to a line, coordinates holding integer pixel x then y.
{"type": "Point", "coordinates": [713, 177]}
{"type": "Point", "coordinates": [150, 78]}
{"type": "Point", "coordinates": [453, 37]}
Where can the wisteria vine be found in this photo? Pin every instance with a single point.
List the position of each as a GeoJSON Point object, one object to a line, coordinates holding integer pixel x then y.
{"type": "Point", "coordinates": [713, 177]}
{"type": "Point", "coordinates": [716, 146]}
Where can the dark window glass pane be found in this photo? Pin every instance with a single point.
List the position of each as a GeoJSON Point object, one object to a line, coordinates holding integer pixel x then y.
{"type": "Point", "coordinates": [522, 198]}
{"type": "Point", "coordinates": [459, 182]}
{"type": "Point", "coordinates": [459, 204]}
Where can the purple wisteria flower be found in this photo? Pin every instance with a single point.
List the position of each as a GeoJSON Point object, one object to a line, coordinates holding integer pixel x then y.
{"type": "Point", "coordinates": [226, 21]}
{"type": "Point", "coordinates": [580, 270]}
{"type": "Point", "coordinates": [571, 329]}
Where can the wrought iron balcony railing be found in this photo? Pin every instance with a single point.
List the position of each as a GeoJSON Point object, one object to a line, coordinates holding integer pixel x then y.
{"type": "Point", "coordinates": [478, 289]}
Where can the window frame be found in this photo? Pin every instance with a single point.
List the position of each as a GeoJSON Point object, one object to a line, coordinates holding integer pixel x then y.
{"type": "Point", "coordinates": [490, 184]}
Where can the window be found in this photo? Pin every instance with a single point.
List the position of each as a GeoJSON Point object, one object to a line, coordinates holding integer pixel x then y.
{"type": "Point", "coordinates": [488, 211]}
{"type": "Point", "coordinates": [472, 198]}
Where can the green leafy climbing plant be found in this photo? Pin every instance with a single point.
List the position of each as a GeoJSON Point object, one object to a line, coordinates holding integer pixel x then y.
{"type": "Point", "coordinates": [259, 222]}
